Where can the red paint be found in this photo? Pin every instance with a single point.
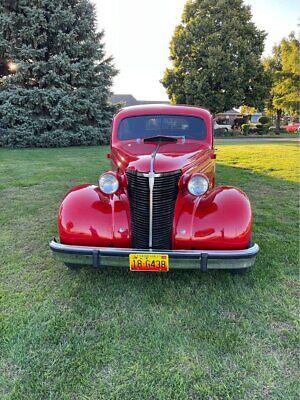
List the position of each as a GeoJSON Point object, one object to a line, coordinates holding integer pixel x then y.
{"type": "Point", "coordinates": [89, 218]}
{"type": "Point", "coordinates": [192, 156]}
{"type": "Point", "coordinates": [292, 128]}
{"type": "Point", "coordinates": [221, 219]}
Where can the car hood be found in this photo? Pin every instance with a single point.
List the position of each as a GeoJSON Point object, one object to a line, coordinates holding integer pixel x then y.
{"type": "Point", "coordinates": [170, 156]}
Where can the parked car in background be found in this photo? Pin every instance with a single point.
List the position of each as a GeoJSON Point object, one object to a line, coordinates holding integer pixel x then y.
{"type": "Point", "coordinates": [225, 127]}
{"type": "Point", "coordinates": [292, 127]}
{"type": "Point", "coordinates": [159, 206]}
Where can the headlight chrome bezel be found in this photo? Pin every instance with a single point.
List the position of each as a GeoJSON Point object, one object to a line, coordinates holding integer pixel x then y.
{"type": "Point", "coordinates": [114, 183]}
{"type": "Point", "coordinates": [199, 181]}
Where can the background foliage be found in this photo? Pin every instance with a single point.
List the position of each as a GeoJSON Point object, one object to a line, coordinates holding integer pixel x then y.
{"type": "Point", "coordinates": [283, 68]}
{"type": "Point", "coordinates": [216, 56]}
{"type": "Point", "coordinates": [59, 93]}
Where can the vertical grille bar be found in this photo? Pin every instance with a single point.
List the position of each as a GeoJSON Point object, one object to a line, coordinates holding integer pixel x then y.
{"type": "Point", "coordinates": [164, 197]}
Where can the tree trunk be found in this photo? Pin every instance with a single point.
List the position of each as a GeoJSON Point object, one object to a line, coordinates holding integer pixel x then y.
{"type": "Point", "coordinates": [278, 118]}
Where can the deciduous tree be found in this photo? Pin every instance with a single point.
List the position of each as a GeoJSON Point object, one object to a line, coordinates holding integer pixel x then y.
{"type": "Point", "coordinates": [283, 68]}
{"type": "Point", "coordinates": [216, 57]}
{"type": "Point", "coordinates": [246, 110]}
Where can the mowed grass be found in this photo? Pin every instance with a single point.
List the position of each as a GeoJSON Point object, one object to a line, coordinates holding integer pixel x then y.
{"type": "Point", "coordinates": [112, 334]}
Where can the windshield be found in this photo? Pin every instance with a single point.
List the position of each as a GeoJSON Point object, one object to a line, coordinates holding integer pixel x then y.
{"type": "Point", "coordinates": [169, 125]}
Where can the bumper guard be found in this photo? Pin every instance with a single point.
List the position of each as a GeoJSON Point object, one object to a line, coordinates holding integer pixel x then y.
{"type": "Point", "coordinates": [99, 257]}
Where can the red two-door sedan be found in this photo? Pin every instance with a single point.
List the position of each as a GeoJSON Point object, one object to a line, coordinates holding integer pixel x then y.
{"type": "Point", "coordinates": [159, 207]}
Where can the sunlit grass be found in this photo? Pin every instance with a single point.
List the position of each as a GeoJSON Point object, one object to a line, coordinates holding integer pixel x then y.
{"type": "Point", "coordinates": [277, 159]}
{"type": "Point", "coordinates": [113, 334]}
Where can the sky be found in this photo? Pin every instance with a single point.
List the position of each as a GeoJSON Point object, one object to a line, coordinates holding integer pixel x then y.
{"type": "Point", "coordinates": [138, 33]}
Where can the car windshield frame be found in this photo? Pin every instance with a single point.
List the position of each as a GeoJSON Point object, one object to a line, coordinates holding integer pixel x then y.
{"type": "Point", "coordinates": [138, 127]}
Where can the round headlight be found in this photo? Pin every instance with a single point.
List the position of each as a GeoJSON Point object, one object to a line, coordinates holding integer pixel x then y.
{"type": "Point", "coordinates": [108, 183]}
{"type": "Point", "coordinates": [198, 185]}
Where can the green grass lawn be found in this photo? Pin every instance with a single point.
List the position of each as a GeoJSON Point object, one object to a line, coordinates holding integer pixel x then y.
{"type": "Point", "coordinates": [271, 135]}
{"type": "Point", "coordinates": [112, 334]}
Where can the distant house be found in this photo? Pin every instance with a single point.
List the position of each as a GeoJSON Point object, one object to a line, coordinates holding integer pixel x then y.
{"type": "Point", "coordinates": [126, 99]}
{"type": "Point", "coordinates": [129, 100]}
{"type": "Point", "coordinates": [228, 116]}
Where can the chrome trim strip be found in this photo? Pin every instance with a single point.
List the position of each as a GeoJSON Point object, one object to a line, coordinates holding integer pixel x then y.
{"type": "Point", "coordinates": [151, 187]}
{"type": "Point", "coordinates": [146, 175]}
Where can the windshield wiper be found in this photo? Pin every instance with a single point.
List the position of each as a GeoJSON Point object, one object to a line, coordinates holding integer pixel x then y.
{"type": "Point", "coordinates": [163, 138]}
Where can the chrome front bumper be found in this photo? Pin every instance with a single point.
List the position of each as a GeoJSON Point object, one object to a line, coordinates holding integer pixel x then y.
{"type": "Point", "coordinates": [99, 257]}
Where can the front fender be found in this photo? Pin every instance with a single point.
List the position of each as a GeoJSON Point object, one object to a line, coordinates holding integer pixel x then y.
{"type": "Point", "coordinates": [89, 218]}
{"type": "Point", "coordinates": [219, 220]}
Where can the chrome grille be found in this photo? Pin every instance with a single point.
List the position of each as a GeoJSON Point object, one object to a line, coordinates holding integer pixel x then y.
{"type": "Point", "coordinates": [164, 197]}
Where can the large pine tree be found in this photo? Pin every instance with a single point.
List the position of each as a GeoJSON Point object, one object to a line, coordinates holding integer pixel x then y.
{"type": "Point", "coordinates": [216, 57]}
{"type": "Point", "coordinates": [58, 95]}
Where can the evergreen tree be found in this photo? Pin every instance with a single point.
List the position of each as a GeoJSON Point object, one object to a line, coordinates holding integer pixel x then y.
{"type": "Point", "coordinates": [58, 95]}
{"type": "Point", "coordinates": [216, 56]}
{"type": "Point", "coordinates": [4, 64]}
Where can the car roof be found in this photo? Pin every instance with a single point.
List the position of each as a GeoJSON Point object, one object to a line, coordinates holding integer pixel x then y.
{"type": "Point", "coordinates": [166, 109]}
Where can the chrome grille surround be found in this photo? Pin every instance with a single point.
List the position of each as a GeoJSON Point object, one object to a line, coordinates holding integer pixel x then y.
{"type": "Point", "coordinates": [165, 190]}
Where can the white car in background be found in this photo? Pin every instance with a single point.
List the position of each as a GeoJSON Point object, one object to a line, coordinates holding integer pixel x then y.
{"type": "Point", "coordinates": [226, 128]}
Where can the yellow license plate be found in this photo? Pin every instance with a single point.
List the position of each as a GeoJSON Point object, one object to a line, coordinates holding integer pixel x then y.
{"type": "Point", "coordinates": [149, 262]}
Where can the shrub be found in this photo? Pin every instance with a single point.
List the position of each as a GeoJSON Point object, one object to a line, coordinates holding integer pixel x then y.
{"type": "Point", "coordinates": [266, 128]}
{"type": "Point", "coordinates": [221, 132]}
{"type": "Point", "coordinates": [263, 120]}
{"type": "Point", "coordinates": [245, 128]}
{"type": "Point", "coordinates": [239, 121]}
{"type": "Point", "coordinates": [259, 129]}
{"type": "Point", "coordinates": [262, 129]}
{"type": "Point", "coordinates": [253, 128]}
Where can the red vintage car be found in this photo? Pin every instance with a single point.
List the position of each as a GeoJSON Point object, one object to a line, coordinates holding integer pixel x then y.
{"type": "Point", "coordinates": [158, 207]}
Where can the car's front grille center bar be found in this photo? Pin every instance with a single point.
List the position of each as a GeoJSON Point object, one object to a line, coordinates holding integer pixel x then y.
{"type": "Point", "coordinates": [163, 198]}
{"type": "Point", "coordinates": [151, 187]}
